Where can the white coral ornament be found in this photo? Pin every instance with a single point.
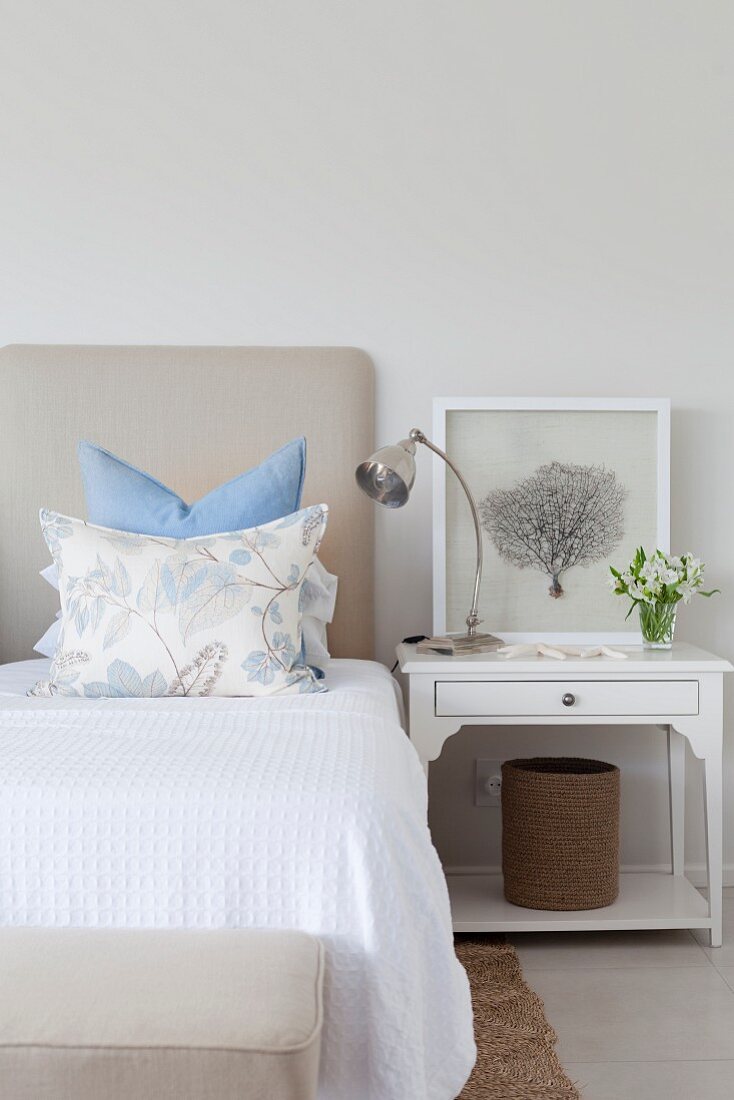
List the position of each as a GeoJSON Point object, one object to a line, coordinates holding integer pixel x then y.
{"type": "Point", "coordinates": [559, 652]}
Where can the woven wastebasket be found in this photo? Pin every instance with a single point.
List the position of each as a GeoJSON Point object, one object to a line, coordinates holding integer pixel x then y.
{"type": "Point", "coordinates": [560, 833]}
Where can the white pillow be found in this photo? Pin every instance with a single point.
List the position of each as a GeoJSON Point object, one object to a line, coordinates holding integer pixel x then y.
{"type": "Point", "coordinates": [51, 574]}
{"type": "Point", "coordinates": [318, 600]}
{"type": "Point", "coordinates": [318, 595]}
{"type": "Point", "coordinates": [46, 645]}
{"type": "Point", "coordinates": [315, 641]}
{"type": "Point", "coordinates": [217, 615]}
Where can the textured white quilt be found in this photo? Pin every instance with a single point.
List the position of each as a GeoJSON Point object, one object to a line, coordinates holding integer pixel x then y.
{"type": "Point", "coordinates": [297, 812]}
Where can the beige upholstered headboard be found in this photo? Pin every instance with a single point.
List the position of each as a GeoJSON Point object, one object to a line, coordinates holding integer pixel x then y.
{"type": "Point", "coordinates": [193, 417]}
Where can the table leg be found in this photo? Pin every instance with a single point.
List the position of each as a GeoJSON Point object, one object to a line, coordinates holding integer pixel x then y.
{"type": "Point", "coordinates": [713, 797]}
{"type": "Point", "coordinates": [677, 788]}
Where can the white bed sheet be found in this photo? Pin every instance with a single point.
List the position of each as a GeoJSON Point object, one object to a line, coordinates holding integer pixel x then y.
{"type": "Point", "coordinates": [302, 812]}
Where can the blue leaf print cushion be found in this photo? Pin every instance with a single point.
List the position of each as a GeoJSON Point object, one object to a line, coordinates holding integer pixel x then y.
{"type": "Point", "coordinates": [127, 499]}
{"type": "Point", "coordinates": [149, 616]}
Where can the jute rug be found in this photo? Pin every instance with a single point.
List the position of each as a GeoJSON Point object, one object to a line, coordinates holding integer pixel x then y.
{"type": "Point", "coordinates": [516, 1059]}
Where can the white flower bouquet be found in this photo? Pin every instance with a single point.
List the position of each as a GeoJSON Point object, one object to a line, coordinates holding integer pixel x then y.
{"type": "Point", "coordinates": [656, 585]}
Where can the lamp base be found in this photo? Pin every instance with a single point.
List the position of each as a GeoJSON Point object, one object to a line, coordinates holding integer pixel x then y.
{"type": "Point", "coordinates": [456, 645]}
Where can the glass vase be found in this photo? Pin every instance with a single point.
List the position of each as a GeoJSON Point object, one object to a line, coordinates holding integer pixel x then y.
{"type": "Point", "coordinates": [657, 623]}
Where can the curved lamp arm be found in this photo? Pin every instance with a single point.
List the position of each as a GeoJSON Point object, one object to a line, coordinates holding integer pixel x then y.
{"type": "Point", "coordinates": [472, 619]}
{"type": "Point", "coordinates": [387, 478]}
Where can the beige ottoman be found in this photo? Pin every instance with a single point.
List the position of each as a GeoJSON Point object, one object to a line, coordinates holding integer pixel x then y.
{"type": "Point", "coordinates": [90, 1014]}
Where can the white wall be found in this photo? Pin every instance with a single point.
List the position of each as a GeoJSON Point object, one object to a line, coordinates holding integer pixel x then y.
{"type": "Point", "coordinates": [490, 198]}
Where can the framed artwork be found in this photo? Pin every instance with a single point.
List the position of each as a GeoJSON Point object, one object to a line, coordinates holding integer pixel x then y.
{"type": "Point", "coordinates": [565, 487]}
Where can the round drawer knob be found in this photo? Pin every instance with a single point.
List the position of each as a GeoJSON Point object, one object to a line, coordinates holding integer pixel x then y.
{"type": "Point", "coordinates": [568, 699]}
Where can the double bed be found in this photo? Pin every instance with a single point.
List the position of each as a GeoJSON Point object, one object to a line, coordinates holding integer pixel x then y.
{"type": "Point", "coordinates": [294, 811]}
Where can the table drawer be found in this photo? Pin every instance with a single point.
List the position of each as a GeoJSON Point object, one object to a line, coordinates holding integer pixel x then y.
{"type": "Point", "coordinates": [528, 698]}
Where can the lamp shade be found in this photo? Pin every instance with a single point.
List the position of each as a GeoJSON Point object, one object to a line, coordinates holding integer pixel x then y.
{"type": "Point", "coordinates": [388, 475]}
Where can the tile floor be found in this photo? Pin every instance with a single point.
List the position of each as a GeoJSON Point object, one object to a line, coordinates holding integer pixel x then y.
{"type": "Point", "coordinates": [646, 1015]}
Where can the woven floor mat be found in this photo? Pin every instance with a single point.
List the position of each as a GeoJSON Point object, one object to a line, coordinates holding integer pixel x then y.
{"type": "Point", "coordinates": [516, 1057]}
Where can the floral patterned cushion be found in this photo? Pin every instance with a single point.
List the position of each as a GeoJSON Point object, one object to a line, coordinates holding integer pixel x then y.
{"type": "Point", "coordinates": [149, 616]}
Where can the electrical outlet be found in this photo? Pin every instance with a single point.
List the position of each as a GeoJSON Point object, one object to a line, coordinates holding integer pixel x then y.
{"type": "Point", "coordinates": [488, 783]}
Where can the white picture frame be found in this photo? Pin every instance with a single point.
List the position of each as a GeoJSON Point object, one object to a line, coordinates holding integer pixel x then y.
{"type": "Point", "coordinates": [443, 408]}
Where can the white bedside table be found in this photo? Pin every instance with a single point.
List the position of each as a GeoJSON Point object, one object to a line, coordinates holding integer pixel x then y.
{"type": "Point", "coordinates": [679, 690]}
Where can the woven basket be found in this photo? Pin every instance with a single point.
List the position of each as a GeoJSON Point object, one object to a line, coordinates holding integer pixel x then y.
{"type": "Point", "coordinates": [560, 833]}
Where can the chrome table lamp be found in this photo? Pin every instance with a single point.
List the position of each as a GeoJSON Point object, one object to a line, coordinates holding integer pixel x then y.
{"type": "Point", "coordinates": [387, 478]}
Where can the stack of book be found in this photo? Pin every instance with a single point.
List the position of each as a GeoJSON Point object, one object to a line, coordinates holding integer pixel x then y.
{"type": "Point", "coordinates": [454, 645]}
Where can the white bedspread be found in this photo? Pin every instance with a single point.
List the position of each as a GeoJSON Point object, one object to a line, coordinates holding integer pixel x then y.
{"type": "Point", "coordinates": [301, 812]}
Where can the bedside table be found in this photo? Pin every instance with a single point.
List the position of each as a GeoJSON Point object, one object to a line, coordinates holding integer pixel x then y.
{"type": "Point", "coordinates": [679, 690]}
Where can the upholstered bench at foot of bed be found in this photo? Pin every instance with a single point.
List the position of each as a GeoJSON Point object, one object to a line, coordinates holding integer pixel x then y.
{"type": "Point", "coordinates": [87, 1014]}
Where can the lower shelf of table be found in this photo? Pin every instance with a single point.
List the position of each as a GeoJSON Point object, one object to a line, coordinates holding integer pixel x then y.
{"type": "Point", "coordinates": [645, 901]}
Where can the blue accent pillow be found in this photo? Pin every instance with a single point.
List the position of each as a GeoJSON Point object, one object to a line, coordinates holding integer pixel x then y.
{"type": "Point", "coordinates": [127, 499]}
